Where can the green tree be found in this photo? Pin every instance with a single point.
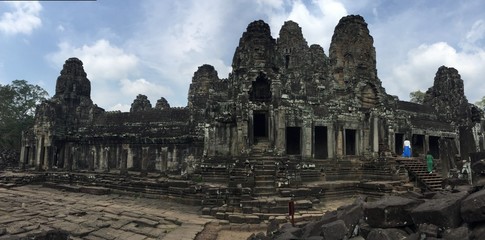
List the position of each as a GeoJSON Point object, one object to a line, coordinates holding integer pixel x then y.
{"type": "Point", "coordinates": [17, 109]}
{"type": "Point", "coordinates": [481, 103]}
{"type": "Point", "coordinates": [417, 97]}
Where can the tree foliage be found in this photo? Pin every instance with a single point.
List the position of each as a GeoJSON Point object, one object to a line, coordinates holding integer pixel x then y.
{"type": "Point", "coordinates": [17, 109]}
{"type": "Point", "coordinates": [417, 97]}
{"type": "Point", "coordinates": [481, 103]}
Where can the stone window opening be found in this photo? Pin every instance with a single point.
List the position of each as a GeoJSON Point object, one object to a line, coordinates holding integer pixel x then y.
{"type": "Point", "coordinates": [287, 61]}
{"type": "Point", "coordinates": [260, 89]}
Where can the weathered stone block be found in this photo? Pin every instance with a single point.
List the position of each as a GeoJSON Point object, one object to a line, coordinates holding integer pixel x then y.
{"type": "Point", "coordinates": [239, 218]}
{"type": "Point", "coordinates": [351, 215]}
{"type": "Point", "coordinates": [443, 211]}
{"type": "Point", "coordinates": [390, 211]}
{"type": "Point", "coordinates": [287, 231]}
{"type": "Point", "coordinates": [457, 233]}
{"type": "Point", "coordinates": [334, 230]}
{"type": "Point", "coordinates": [428, 230]}
{"type": "Point", "coordinates": [473, 207]}
{"type": "Point", "coordinates": [387, 234]}
{"type": "Point", "coordinates": [478, 232]}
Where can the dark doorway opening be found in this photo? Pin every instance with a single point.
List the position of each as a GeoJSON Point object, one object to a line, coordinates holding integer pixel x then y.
{"type": "Point", "coordinates": [398, 143]}
{"type": "Point", "coordinates": [293, 140]}
{"type": "Point", "coordinates": [417, 145]}
{"type": "Point", "coordinates": [321, 146]}
{"type": "Point", "coordinates": [260, 125]}
{"type": "Point", "coordinates": [434, 146]}
{"type": "Point", "coordinates": [350, 141]}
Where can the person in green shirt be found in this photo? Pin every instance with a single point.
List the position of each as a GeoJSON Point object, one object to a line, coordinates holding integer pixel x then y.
{"type": "Point", "coordinates": [429, 161]}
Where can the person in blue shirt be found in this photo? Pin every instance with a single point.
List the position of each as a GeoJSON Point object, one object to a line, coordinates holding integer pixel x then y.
{"type": "Point", "coordinates": [406, 148]}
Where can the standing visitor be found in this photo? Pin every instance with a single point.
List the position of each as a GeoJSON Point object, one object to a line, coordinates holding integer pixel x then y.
{"type": "Point", "coordinates": [429, 161]}
{"type": "Point", "coordinates": [406, 148]}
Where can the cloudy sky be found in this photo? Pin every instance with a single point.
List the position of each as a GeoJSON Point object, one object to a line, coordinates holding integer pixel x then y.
{"type": "Point", "coordinates": [153, 47]}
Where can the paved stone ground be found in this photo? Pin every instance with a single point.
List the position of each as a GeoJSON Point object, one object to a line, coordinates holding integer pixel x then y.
{"type": "Point", "coordinates": [34, 210]}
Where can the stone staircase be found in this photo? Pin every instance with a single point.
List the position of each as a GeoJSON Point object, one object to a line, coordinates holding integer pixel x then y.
{"type": "Point", "coordinates": [417, 168]}
{"type": "Point", "coordinates": [264, 169]}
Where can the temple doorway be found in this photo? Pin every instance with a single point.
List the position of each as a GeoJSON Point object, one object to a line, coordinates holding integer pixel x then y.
{"type": "Point", "coordinates": [260, 125]}
{"type": "Point", "coordinates": [320, 145]}
{"type": "Point", "coordinates": [417, 145]}
{"type": "Point", "coordinates": [350, 141]}
{"type": "Point", "coordinates": [398, 143]}
{"type": "Point", "coordinates": [434, 146]}
{"type": "Point", "coordinates": [293, 140]}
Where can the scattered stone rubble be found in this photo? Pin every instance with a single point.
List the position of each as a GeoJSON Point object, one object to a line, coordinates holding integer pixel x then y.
{"type": "Point", "coordinates": [8, 159]}
{"type": "Point", "coordinates": [445, 215]}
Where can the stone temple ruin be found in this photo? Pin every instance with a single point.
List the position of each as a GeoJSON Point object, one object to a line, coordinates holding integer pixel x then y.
{"type": "Point", "coordinates": [288, 121]}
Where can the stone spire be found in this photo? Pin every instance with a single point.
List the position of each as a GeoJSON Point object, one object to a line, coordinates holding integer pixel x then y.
{"type": "Point", "coordinates": [352, 54]}
{"type": "Point", "coordinates": [200, 86]}
{"type": "Point", "coordinates": [162, 104]}
{"type": "Point", "coordinates": [256, 47]}
{"type": "Point", "coordinates": [447, 94]}
{"type": "Point", "coordinates": [73, 83]}
{"type": "Point", "coordinates": [141, 103]}
{"type": "Point", "coordinates": [292, 46]}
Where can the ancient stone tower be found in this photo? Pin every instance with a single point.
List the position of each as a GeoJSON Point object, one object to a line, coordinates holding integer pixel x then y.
{"type": "Point", "coordinates": [285, 103]}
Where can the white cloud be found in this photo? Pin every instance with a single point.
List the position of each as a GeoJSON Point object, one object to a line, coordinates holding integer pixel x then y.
{"type": "Point", "coordinates": [271, 3]}
{"type": "Point", "coordinates": [120, 107]}
{"type": "Point", "coordinates": [317, 19]}
{"type": "Point", "coordinates": [23, 19]}
{"type": "Point", "coordinates": [142, 86]}
{"type": "Point", "coordinates": [418, 71]}
{"type": "Point", "coordinates": [477, 32]}
{"type": "Point", "coordinates": [102, 61]}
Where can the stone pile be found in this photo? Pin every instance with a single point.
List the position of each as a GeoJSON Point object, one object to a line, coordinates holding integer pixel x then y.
{"type": "Point", "coordinates": [8, 158]}
{"type": "Point", "coordinates": [459, 214]}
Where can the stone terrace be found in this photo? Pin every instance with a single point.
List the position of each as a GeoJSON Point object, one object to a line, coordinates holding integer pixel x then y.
{"type": "Point", "coordinates": [33, 210]}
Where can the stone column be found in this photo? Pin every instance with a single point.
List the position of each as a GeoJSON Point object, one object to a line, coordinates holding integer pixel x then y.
{"type": "Point", "coordinates": [124, 159]}
{"type": "Point", "coordinates": [23, 156]}
{"type": "Point", "coordinates": [106, 158]}
{"type": "Point", "coordinates": [144, 161]}
{"type": "Point", "coordinates": [340, 142]}
{"type": "Point", "coordinates": [281, 129]}
{"type": "Point", "coordinates": [91, 159]}
{"type": "Point", "coordinates": [174, 157]}
{"type": "Point", "coordinates": [129, 159]}
{"type": "Point", "coordinates": [426, 145]}
{"type": "Point", "coordinates": [306, 141]}
{"type": "Point", "coordinates": [330, 141]}
{"type": "Point", "coordinates": [164, 159]}
{"type": "Point", "coordinates": [40, 153]}
{"type": "Point", "coordinates": [375, 135]}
